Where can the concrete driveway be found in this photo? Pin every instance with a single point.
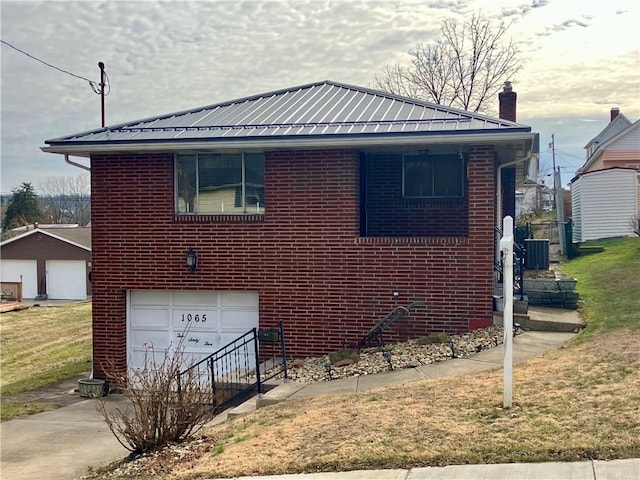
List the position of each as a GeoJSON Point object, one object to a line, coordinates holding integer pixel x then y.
{"type": "Point", "coordinates": [60, 444]}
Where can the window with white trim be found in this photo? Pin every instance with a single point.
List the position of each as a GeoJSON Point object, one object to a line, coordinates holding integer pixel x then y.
{"type": "Point", "coordinates": [429, 176]}
{"type": "Point", "coordinates": [219, 183]}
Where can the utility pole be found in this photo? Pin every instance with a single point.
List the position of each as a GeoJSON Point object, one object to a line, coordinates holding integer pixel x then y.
{"type": "Point", "coordinates": [552, 146]}
{"type": "Point", "coordinates": [102, 85]}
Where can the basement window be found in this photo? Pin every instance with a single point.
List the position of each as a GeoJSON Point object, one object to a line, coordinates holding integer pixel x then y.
{"type": "Point", "coordinates": [430, 176]}
{"type": "Point", "coordinates": [220, 183]}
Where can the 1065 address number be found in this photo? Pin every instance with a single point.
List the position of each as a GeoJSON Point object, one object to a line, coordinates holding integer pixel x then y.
{"type": "Point", "coordinates": [190, 317]}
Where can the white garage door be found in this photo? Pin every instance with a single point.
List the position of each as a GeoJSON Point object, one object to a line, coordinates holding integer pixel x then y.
{"type": "Point", "coordinates": [158, 321]}
{"type": "Point", "coordinates": [13, 269]}
{"type": "Point", "coordinates": [67, 279]}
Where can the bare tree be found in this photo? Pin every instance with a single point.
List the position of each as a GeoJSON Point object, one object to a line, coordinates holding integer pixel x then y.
{"type": "Point", "coordinates": [67, 199]}
{"type": "Point", "coordinates": [465, 68]}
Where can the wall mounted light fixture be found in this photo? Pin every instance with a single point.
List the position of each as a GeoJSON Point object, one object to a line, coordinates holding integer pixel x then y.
{"type": "Point", "coordinates": [192, 260]}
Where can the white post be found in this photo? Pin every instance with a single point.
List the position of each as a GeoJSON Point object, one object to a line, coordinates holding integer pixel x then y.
{"type": "Point", "coordinates": [506, 247]}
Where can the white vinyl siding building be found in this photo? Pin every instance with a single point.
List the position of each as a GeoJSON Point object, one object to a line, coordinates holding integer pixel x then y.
{"type": "Point", "coordinates": [604, 204]}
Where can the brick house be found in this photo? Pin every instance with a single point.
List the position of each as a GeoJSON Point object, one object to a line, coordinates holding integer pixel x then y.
{"type": "Point", "coordinates": [324, 205]}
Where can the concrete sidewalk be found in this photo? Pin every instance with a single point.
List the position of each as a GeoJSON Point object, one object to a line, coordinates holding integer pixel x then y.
{"type": "Point", "coordinates": [588, 470]}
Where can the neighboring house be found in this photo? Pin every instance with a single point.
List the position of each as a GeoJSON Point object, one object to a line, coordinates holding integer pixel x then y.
{"type": "Point", "coordinates": [533, 198]}
{"type": "Point", "coordinates": [52, 261]}
{"type": "Point", "coordinates": [617, 145]}
{"type": "Point", "coordinates": [605, 193]}
{"type": "Point", "coordinates": [324, 206]}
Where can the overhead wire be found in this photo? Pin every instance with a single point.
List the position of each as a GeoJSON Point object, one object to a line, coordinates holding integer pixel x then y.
{"type": "Point", "coordinates": [94, 86]}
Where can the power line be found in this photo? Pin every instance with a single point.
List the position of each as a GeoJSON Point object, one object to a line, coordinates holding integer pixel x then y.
{"type": "Point", "coordinates": [92, 84]}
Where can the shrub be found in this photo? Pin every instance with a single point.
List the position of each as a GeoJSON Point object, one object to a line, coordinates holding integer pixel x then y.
{"type": "Point", "coordinates": [158, 412]}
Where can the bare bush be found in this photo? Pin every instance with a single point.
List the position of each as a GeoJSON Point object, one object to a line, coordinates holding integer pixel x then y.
{"type": "Point", "coordinates": [159, 413]}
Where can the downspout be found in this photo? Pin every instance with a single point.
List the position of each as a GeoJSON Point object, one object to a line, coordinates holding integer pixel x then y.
{"type": "Point", "coordinates": [88, 169]}
{"type": "Point", "coordinates": [79, 165]}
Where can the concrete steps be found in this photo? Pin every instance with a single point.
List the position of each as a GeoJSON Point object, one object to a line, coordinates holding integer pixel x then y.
{"type": "Point", "coordinates": [275, 395]}
{"type": "Point", "coordinates": [545, 319]}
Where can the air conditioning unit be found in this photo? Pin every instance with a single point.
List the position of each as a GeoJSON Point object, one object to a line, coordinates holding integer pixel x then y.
{"type": "Point", "coordinates": [536, 256]}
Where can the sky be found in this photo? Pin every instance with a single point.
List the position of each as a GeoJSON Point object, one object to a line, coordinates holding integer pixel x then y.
{"type": "Point", "coordinates": [579, 59]}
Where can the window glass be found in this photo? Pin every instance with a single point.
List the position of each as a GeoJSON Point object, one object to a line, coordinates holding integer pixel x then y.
{"type": "Point", "coordinates": [448, 176]}
{"type": "Point", "coordinates": [220, 183]}
{"type": "Point", "coordinates": [427, 175]}
{"type": "Point", "coordinates": [254, 181]}
{"type": "Point", "coordinates": [186, 183]}
{"type": "Point", "coordinates": [418, 176]}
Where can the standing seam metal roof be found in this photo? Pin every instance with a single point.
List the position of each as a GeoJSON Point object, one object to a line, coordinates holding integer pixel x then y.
{"type": "Point", "coordinates": [323, 108]}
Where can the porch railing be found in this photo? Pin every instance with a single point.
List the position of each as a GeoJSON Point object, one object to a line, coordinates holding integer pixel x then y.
{"type": "Point", "coordinates": [235, 370]}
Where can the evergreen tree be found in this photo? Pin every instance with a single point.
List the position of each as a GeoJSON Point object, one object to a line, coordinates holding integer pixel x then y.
{"type": "Point", "coordinates": [22, 208]}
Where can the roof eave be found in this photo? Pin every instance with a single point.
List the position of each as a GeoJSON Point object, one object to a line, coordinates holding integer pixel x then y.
{"type": "Point", "coordinates": [85, 149]}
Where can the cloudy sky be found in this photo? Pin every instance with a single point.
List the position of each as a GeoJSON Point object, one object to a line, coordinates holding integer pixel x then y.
{"type": "Point", "coordinates": [580, 58]}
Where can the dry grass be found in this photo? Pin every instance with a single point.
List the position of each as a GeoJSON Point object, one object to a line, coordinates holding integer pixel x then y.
{"type": "Point", "coordinates": [579, 402]}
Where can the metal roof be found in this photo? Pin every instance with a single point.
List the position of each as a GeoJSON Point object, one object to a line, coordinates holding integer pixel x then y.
{"type": "Point", "coordinates": [318, 110]}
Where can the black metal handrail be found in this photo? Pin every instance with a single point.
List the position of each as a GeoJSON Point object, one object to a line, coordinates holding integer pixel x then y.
{"type": "Point", "coordinates": [374, 336]}
{"type": "Point", "coordinates": [235, 369]}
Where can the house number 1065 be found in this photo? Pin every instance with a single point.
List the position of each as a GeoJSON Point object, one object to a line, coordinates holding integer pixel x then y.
{"type": "Point", "coordinates": [194, 318]}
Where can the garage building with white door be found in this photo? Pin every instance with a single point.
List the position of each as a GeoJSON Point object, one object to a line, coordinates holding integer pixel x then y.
{"type": "Point", "coordinates": [53, 262]}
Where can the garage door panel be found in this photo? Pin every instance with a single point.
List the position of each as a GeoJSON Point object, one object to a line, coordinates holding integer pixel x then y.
{"type": "Point", "coordinates": [195, 298]}
{"type": "Point", "coordinates": [238, 320]}
{"type": "Point", "coordinates": [156, 339]}
{"type": "Point", "coordinates": [66, 279]}
{"type": "Point", "coordinates": [150, 297]}
{"type": "Point", "coordinates": [150, 318]}
{"type": "Point", "coordinates": [147, 357]}
{"type": "Point", "coordinates": [13, 270]}
{"type": "Point", "coordinates": [239, 299]}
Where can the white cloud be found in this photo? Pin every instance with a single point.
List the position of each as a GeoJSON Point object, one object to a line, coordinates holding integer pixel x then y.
{"type": "Point", "coordinates": [174, 55]}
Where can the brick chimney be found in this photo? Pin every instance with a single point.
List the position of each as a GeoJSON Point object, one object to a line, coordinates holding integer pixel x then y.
{"type": "Point", "coordinates": [615, 111]}
{"type": "Point", "coordinates": [507, 100]}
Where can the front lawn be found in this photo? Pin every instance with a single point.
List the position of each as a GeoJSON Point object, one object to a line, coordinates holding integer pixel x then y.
{"type": "Point", "coordinates": [41, 346]}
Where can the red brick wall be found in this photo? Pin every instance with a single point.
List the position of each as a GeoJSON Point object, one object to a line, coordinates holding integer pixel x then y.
{"type": "Point", "coordinates": [304, 257]}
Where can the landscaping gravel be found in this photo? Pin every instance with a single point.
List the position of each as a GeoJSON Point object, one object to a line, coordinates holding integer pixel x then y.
{"type": "Point", "coordinates": [409, 354]}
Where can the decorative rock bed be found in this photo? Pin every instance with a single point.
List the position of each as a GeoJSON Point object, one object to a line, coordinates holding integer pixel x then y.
{"type": "Point", "coordinates": [409, 354]}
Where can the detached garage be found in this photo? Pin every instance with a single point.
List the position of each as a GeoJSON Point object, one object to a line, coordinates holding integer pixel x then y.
{"type": "Point", "coordinates": [604, 203]}
{"type": "Point", "coordinates": [52, 261]}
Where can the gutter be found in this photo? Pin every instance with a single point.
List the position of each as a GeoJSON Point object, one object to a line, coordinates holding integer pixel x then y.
{"type": "Point", "coordinates": [280, 143]}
